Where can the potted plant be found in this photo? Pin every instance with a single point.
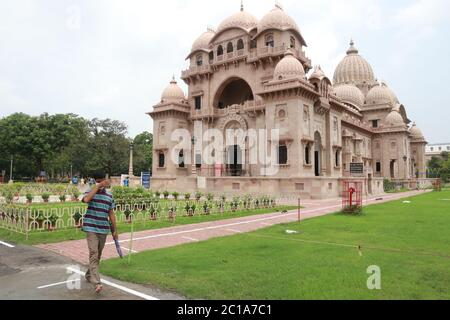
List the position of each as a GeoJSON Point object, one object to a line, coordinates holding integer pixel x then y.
{"type": "Point", "coordinates": [187, 196]}
{"type": "Point", "coordinates": [206, 209]}
{"type": "Point", "coordinates": [75, 195]}
{"type": "Point", "coordinates": [62, 198]}
{"type": "Point", "coordinates": [166, 195]}
{"type": "Point", "coordinates": [224, 198]}
{"type": "Point", "coordinates": [210, 196]}
{"type": "Point", "coordinates": [172, 211]}
{"type": "Point", "coordinates": [29, 197]}
{"type": "Point", "coordinates": [158, 195]}
{"type": "Point", "coordinates": [77, 217]}
{"type": "Point", "coordinates": [46, 197]}
{"type": "Point", "coordinates": [198, 196]}
{"type": "Point", "coordinates": [175, 195]}
{"type": "Point", "coordinates": [127, 213]}
{"type": "Point", "coordinates": [52, 225]}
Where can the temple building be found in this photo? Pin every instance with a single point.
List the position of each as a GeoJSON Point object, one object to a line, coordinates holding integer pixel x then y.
{"type": "Point", "coordinates": [251, 74]}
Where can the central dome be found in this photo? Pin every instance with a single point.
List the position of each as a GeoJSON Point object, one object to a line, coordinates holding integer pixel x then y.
{"type": "Point", "coordinates": [354, 69]}
{"type": "Point", "coordinates": [288, 68]}
{"type": "Point", "coordinates": [241, 20]}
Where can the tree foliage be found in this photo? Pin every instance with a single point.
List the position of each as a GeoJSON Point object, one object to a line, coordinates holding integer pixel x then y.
{"type": "Point", "coordinates": [439, 167]}
{"type": "Point", "coordinates": [58, 143]}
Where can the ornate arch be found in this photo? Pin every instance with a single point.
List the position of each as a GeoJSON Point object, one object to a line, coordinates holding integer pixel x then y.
{"type": "Point", "coordinates": [232, 117]}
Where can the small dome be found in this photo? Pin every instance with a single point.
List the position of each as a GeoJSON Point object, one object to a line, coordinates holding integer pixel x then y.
{"type": "Point", "coordinates": [202, 42]}
{"type": "Point", "coordinates": [173, 93]}
{"type": "Point", "coordinates": [240, 20]}
{"type": "Point", "coordinates": [279, 20]}
{"type": "Point", "coordinates": [380, 94]}
{"type": "Point", "coordinates": [288, 68]}
{"type": "Point", "coordinates": [349, 93]}
{"type": "Point", "coordinates": [394, 119]}
{"type": "Point", "coordinates": [318, 73]}
{"type": "Point", "coordinates": [416, 132]}
{"type": "Point", "coordinates": [353, 68]}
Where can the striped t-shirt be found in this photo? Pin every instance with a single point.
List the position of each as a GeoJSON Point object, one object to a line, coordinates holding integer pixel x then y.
{"type": "Point", "coordinates": [96, 219]}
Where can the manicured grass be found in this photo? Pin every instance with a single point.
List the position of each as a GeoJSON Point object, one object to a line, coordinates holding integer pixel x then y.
{"type": "Point", "coordinates": [76, 234]}
{"type": "Point", "coordinates": [410, 242]}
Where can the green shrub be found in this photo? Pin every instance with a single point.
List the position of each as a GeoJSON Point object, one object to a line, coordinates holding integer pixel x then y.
{"type": "Point", "coordinates": [29, 197]}
{"type": "Point", "coordinates": [210, 196]}
{"type": "Point", "coordinates": [198, 196]}
{"type": "Point", "coordinates": [46, 196]}
{"type": "Point", "coordinates": [187, 196]}
{"type": "Point", "coordinates": [175, 195]}
{"type": "Point", "coordinates": [166, 194]}
{"type": "Point", "coordinates": [62, 198]}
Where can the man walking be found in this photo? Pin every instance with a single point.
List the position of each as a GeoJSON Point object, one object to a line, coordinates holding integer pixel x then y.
{"type": "Point", "coordinates": [97, 224]}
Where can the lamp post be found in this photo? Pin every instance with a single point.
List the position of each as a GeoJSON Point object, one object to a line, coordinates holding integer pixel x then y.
{"type": "Point", "coordinates": [130, 168]}
{"type": "Point", "coordinates": [11, 170]}
{"type": "Point", "coordinates": [194, 160]}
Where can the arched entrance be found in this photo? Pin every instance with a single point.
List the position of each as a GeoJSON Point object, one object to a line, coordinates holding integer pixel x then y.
{"type": "Point", "coordinates": [233, 91]}
{"type": "Point", "coordinates": [234, 161]}
{"type": "Point", "coordinates": [317, 154]}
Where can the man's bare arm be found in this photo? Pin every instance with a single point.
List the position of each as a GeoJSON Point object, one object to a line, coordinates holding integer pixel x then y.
{"type": "Point", "coordinates": [88, 198]}
{"type": "Point", "coordinates": [112, 219]}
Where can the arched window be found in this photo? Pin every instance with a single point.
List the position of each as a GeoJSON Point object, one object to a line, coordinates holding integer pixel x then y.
{"type": "Point", "coordinates": [270, 41]}
{"type": "Point", "coordinates": [292, 42]}
{"type": "Point", "coordinates": [211, 56]}
{"type": "Point", "coordinates": [240, 44]}
{"type": "Point", "coordinates": [220, 51]}
{"type": "Point", "coordinates": [253, 44]}
{"type": "Point", "coordinates": [199, 60]}
{"type": "Point", "coordinates": [181, 159]}
{"type": "Point", "coordinates": [230, 48]}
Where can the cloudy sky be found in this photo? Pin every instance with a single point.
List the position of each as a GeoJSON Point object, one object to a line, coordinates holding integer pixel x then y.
{"type": "Point", "coordinates": [113, 58]}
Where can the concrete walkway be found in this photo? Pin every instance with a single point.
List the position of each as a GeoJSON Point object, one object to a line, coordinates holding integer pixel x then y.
{"type": "Point", "coordinates": [174, 236]}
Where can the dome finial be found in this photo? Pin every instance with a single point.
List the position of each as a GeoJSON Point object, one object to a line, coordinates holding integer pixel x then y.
{"type": "Point", "coordinates": [278, 5]}
{"type": "Point", "coordinates": [242, 5]}
{"type": "Point", "coordinates": [173, 80]}
{"type": "Point", "coordinates": [352, 49]}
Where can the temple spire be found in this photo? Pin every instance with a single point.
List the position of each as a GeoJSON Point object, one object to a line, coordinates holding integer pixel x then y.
{"type": "Point", "coordinates": [242, 5]}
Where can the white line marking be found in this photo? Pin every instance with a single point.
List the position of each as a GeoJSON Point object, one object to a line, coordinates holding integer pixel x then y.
{"type": "Point", "coordinates": [133, 251]}
{"type": "Point", "coordinates": [191, 239]}
{"type": "Point", "coordinates": [277, 216]}
{"type": "Point", "coordinates": [57, 284]}
{"type": "Point", "coordinates": [6, 244]}
{"type": "Point", "coordinates": [119, 287]}
{"type": "Point", "coordinates": [234, 231]}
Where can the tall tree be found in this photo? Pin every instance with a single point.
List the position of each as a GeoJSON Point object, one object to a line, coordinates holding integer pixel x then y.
{"type": "Point", "coordinates": [143, 145]}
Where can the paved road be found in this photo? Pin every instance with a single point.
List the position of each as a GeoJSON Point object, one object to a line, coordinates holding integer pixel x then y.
{"type": "Point", "coordinates": [28, 273]}
{"type": "Point", "coordinates": [169, 237]}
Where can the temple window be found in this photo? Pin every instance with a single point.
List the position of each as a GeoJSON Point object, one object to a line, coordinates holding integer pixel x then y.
{"type": "Point", "coordinates": [240, 44]}
{"type": "Point", "coordinates": [198, 103]}
{"type": "Point", "coordinates": [230, 48]}
{"type": "Point", "coordinates": [253, 44]}
{"type": "Point", "coordinates": [374, 123]}
{"type": "Point", "coordinates": [270, 41]}
{"type": "Point", "coordinates": [181, 159]}
{"type": "Point", "coordinates": [308, 154]}
{"type": "Point", "coordinates": [161, 160]}
{"type": "Point", "coordinates": [199, 60]}
{"type": "Point", "coordinates": [220, 51]}
{"type": "Point", "coordinates": [338, 158]}
{"type": "Point", "coordinates": [293, 42]}
{"type": "Point", "coordinates": [378, 167]}
{"type": "Point", "coordinates": [282, 154]}
{"type": "Point", "coordinates": [211, 56]}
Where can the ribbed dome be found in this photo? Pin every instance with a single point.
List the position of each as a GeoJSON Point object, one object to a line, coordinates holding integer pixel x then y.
{"type": "Point", "coordinates": [288, 68]}
{"type": "Point", "coordinates": [173, 93]}
{"type": "Point", "coordinates": [240, 20]}
{"type": "Point", "coordinates": [416, 132]}
{"type": "Point", "coordinates": [202, 42]}
{"type": "Point", "coordinates": [394, 119]}
{"type": "Point", "coordinates": [354, 68]}
{"type": "Point", "coordinates": [349, 93]}
{"type": "Point", "coordinates": [277, 19]}
{"type": "Point", "coordinates": [380, 94]}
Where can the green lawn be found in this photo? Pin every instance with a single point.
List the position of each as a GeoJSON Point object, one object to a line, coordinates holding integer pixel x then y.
{"type": "Point", "coordinates": [75, 234]}
{"type": "Point", "coordinates": [410, 242]}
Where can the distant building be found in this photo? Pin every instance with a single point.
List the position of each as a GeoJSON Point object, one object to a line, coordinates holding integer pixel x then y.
{"type": "Point", "coordinates": [435, 150]}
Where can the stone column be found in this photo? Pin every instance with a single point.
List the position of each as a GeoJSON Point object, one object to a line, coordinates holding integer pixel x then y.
{"type": "Point", "coordinates": [130, 168]}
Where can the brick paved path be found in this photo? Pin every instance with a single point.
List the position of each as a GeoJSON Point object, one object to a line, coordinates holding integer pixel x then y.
{"type": "Point", "coordinates": [169, 237]}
